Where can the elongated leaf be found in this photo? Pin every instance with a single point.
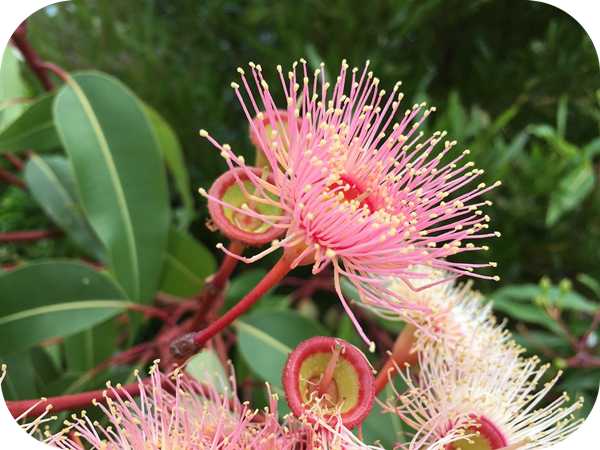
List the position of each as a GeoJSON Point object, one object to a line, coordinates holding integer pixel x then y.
{"type": "Point", "coordinates": [54, 298]}
{"type": "Point", "coordinates": [590, 282]}
{"type": "Point", "coordinates": [45, 369]}
{"type": "Point", "coordinates": [268, 336]}
{"type": "Point", "coordinates": [11, 88]}
{"type": "Point", "coordinates": [173, 154]}
{"type": "Point", "coordinates": [120, 177]}
{"type": "Point", "coordinates": [387, 427]}
{"type": "Point", "coordinates": [551, 136]}
{"type": "Point", "coordinates": [50, 180]}
{"type": "Point", "coordinates": [187, 264]}
{"type": "Point", "coordinates": [19, 383]}
{"type": "Point", "coordinates": [33, 129]}
{"type": "Point", "coordinates": [244, 283]}
{"type": "Point", "coordinates": [572, 190]}
{"type": "Point", "coordinates": [91, 347]}
{"type": "Point", "coordinates": [525, 293]}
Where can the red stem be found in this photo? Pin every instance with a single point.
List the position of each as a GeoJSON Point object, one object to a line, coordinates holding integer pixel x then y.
{"type": "Point", "coordinates": [278, 271]}
{"type": "Point", "coordinates": [28, 236]}
{"type": "Point", "coordinates": [10, 178]}
{"type": "Point", "coordinates": [227, 266]}
{"type": "Point", "coordinates": [151, 311]}
{"type": "Point", "coordinates": [19, 40]}
{"type": "Point", "coordinates": [15, 161]}
{"type": "Point", "coordinates": [592, 328]}
{"type": "Point", "coordinates": [57, 70]}
{"type": "Point", "coordinates": [214, 287]}
{"type": "Point", "coordinates": [67, 402]}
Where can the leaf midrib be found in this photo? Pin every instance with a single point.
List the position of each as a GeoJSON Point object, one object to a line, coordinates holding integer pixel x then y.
{"type": "Point", "coordinates": [183, 269]}
{"type": "Point", "coordinates": [122, 201]}
{"type": "Point", "coordinates": [53, 179]}
{"type": "Point", "coordinates": [261, 335]}
{"type": "Point", "coordinates": [30, 131]}
{"type": "Point", "coordinates": [60, 307]}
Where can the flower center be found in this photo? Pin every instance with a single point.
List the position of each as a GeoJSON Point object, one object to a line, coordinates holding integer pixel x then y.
{"type": "Point", "coordinates": [486, 436]}
{"type": "Point", "coordinates": [354, 193]}
{"type": "Point", "coordinates": [329, 381]}
{"type": "Point", "coordinates": [235, 196]}
{"type": "Point", "coordinates": [331, 396]}
{"type": "Point", "coordinates": [247, 223]}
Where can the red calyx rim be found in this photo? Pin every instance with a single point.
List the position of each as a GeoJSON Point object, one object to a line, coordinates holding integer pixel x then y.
{"type": "Point", "coordinates": [291, 378]}
{"type": "Point", "coordinates": [224, 224]}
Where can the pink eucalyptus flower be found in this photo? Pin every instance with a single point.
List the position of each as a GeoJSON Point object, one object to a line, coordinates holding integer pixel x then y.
{"type": "Point", "coordinates": [177, 412]}
{"type": "Point", "coordinates": [357, 188]}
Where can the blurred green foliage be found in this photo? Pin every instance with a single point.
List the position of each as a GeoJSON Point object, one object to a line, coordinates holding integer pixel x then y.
{"type": "Point", "coordinates": [517, 83]}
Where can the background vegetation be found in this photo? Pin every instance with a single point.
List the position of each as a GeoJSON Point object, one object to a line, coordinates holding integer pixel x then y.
{"type": "Point", "coordinates": [516, 82]}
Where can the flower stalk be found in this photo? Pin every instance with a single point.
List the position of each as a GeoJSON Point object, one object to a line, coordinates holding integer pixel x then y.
{"type": "Point", "coordinates": [278, 271]}
{"type": "Point", "coordinates": [189, 344]}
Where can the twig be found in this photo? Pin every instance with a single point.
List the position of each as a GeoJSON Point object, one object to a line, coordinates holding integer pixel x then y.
{"type": "Point", "coordinates": [19, 40]}
{"type": "Point", "coordinates": [15, 161]}
{"type": "Point", "coordinates": [549, 353]}
{"type": "Point", "coordinates": [10, 178]}
{"type": "Point", "coordinates": [28, 236]}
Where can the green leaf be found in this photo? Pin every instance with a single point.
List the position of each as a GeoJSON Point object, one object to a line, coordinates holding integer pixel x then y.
{"type": "Point", "coordinates": [551, 136]}
{"type": "Point", "coordinates": [45, 369]}
{"type": "Point", "coordinates": [545, 338]}
{"type": "Point", "coordinates": [384, 427]}
{"type": "Point", "coordinates": [207, 366]}
{"type": "Point", "coordinates": [267, 337]}
{"type": "Point", "coordinates": [561, 116]}
{"type": "Point", "coordinates": [172, 152]}
{"type": "Point", "coordinates": [120, 176]}
{"type": "Point", "coordinates": [502, 120]}
{"type": "Point", "coordinates": [517, 302]}
{"type": "Point", "coordinates": [50, 180]}
{"type": "Point", "coordinates": [19, 383]}
{"type": "Point", "coordinates": [53, 298]}
{"type": "Point", "coordinates": [242, 285]}
{"type": "Point", "coordinates": [590, 283]}
{"type": "Point", "coordinates": [89, 348]}
{"type": "Point", "coordinates": [187, 264]}
{"type": "Point", "coordinates": [11, 88]}
{"type": "Point", "coordinates": [572, 190]}
{"type": "Point", "coordinates": [525, 293]}
{"type": "Point", "coordinates": [32, 130]}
